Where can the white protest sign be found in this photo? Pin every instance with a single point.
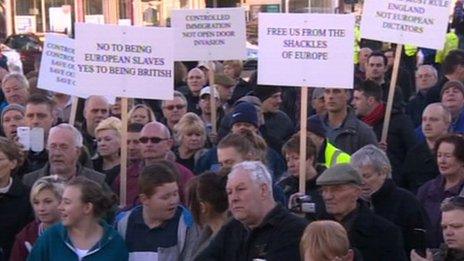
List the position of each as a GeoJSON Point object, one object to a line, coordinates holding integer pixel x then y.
{"type": "Point", "coordinates": [125, 61]}
{"type": "Point", "coordinates": [209, 34]}
{"type": "Point", "coordinates": [57, 65]}
{"type": "Point", "coordinates": [306, 50]}
{"type": "Point", "coordinates": [418, 22]}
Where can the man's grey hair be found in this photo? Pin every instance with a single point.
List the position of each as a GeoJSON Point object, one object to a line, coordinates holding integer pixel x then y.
{"type": "Point", "coordinates": [16, 76]}
{"type": "Point", "coordinates": [428, 67]}
{"type": "Point", "coordinates": [257, 171]}
{"type": "Point", "coordinates": [77, 136]}
{"type": "Point", "coordinates": [176, 94]}
{"type": "Point", "coordinates": [373, 156]}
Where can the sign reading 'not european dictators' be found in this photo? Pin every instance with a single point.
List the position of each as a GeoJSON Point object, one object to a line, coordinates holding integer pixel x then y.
{"type": "Point", "coordinates": [209, 34]}
{"type": "Point", "coordinates": [314, 50]}
{"type": "Point", "coordinates": [125, 61]}
{"type": "Point", "coordinates": [418, 22]}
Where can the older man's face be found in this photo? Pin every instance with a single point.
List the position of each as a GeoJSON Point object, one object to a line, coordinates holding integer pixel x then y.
{"type": "Point", "coordinates": [425, 79]}
{"type": "Point", "coordinates": [452, 224]}
{"type": "Point", "coordinates": [244, 198]}
{"type": "Point", "coordinates": [340, 200]}
{"type": "Point", "coordinates": [373, 180]}
{"type": "Point", "coordinates": [62, 152]}
{"type": "Point", "coordinates": [174, 110]}
{"type": "Point", "coordinates": [196, 79]}
{"type": "Point", "coordinates": [96, 110]}
{"type": "Point", "coordinates": [15, 92]}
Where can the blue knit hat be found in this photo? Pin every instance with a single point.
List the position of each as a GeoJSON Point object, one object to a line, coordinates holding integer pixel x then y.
{"type": "Point", "coordinates": [245, 112]}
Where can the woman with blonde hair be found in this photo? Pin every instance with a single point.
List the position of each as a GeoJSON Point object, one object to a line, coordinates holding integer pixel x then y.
{"type": "Point", "coordinates": [45, 196]}
{"type": "Point", "coordinates": [108, 160]}
{"type": "Point", "coordinates": [142, 114]}
{"type": "Point", "coordinates": [325, 241]}
{"type": "Point", "coordinates": [190, 135]}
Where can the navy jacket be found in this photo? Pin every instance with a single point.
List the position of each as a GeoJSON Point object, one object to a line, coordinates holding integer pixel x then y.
{"type": "Point", "coordinates": [276, 239]}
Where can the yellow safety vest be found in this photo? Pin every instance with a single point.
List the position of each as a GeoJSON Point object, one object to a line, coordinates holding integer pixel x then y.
{"type": "Point", "coordinates": [451, 43]}
{"type": "Point", "coordinates": [333, 155]}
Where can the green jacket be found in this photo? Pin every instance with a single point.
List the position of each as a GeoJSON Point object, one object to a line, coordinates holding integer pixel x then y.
{"type": "Point", "coordinates": [55, 244]}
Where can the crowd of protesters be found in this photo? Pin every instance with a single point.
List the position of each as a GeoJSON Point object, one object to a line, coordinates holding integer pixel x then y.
{"type": "Point", "coordinates": [232, 193]}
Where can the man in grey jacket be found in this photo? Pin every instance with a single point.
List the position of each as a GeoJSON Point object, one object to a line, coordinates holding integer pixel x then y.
{"type": "Point", "coordinates": [342, 127]}
{"type": "Point", "coordinates": [64, 146]}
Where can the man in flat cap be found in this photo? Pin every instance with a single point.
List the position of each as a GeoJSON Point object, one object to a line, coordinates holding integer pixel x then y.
{"type": "Point", "coordinates": [375, 237]}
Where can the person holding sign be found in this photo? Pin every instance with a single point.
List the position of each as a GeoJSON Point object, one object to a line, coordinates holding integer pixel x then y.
{"type": "Point", "coordinates": [368, 105]}
{"type": "Point", "coordinates": [376, 68]}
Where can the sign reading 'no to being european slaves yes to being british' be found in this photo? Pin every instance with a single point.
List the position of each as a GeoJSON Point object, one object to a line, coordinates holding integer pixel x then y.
{"type": "Point", "coordinates": [418, 22]}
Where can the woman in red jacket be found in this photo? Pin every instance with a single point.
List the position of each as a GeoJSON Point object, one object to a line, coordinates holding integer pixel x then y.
{"type": "Point", "coordinates": [45, 197]}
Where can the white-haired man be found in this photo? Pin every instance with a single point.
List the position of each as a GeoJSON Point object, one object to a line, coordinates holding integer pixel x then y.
{"type": "Point", "coordinates": [64, 146]}
{"type": "Point", "coordinates": [260, 229]}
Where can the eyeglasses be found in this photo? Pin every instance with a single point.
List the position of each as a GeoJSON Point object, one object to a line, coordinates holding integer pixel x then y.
{"type": "Point", "coordinates": [154, 140]}
{"type": "Point", "coordinates": [171, 107]}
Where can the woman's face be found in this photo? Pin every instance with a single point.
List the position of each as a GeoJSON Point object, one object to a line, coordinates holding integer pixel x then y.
{"type": "Point", "coordinates": [193, 140]}
{"type": "Point", "coordinates": [71, 208]}
{"type": "Point", "coordinates": [45, 206]}
{"type": "Point", "coordinates": [448, 164]}
{"type": "Point", "coordinates": [6, 166]}
{"type": "Point", "coordinates": [140, 115]}
{"type": "Point", "coordinates": [108, 142]}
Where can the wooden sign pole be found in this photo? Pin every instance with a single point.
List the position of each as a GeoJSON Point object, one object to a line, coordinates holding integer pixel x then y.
{"type": "Point", "coordinates": [123, 173]}
{"type": "Point", "coordinates": [391, 93]}
{"type": "Point", "coordinates": [303, 134]}
{"type": "Point", "coordinates": [72, 115]}
{"type": "Point", "coordinates": [212, 97]}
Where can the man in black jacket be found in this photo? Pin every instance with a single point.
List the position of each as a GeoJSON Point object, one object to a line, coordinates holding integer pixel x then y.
{"type": "Point", "coordinates": [367, 101]}
{"type": "Point", "coordinates": [375, 237]}
{"type": "Point", "coordinates": [395, 204]}
{"type": "Point", "coordinates": [260, 228]}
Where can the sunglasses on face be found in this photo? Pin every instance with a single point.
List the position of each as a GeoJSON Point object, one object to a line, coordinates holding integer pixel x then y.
{"type": "Point", "coordinates": [171, 107]}
{"type": "Point", "coordinates": [154, 140]}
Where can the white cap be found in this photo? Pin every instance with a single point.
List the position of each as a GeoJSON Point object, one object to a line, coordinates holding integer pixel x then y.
{"type": "Point", "coordinates": [206, 90]}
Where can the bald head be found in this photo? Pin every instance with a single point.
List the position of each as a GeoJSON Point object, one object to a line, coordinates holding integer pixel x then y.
{"type": "Point", "coordinates": [436, 120]}
{"type": "Point", "coordinates": [96, 109]}
{"type": "Point", "coordinates": [155, 141]}
{"type": "Point", "coordinates": [157, 128]}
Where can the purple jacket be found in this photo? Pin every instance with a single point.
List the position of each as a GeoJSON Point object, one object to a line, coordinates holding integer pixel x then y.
{"type": "Point", "coordinates": [431, 194]}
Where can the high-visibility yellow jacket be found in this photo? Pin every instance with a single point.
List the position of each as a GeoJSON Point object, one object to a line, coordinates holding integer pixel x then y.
{"type": "Point", "coordinates": [451, 43]}
{"type": "Point", "coordinates": [333, 155]}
